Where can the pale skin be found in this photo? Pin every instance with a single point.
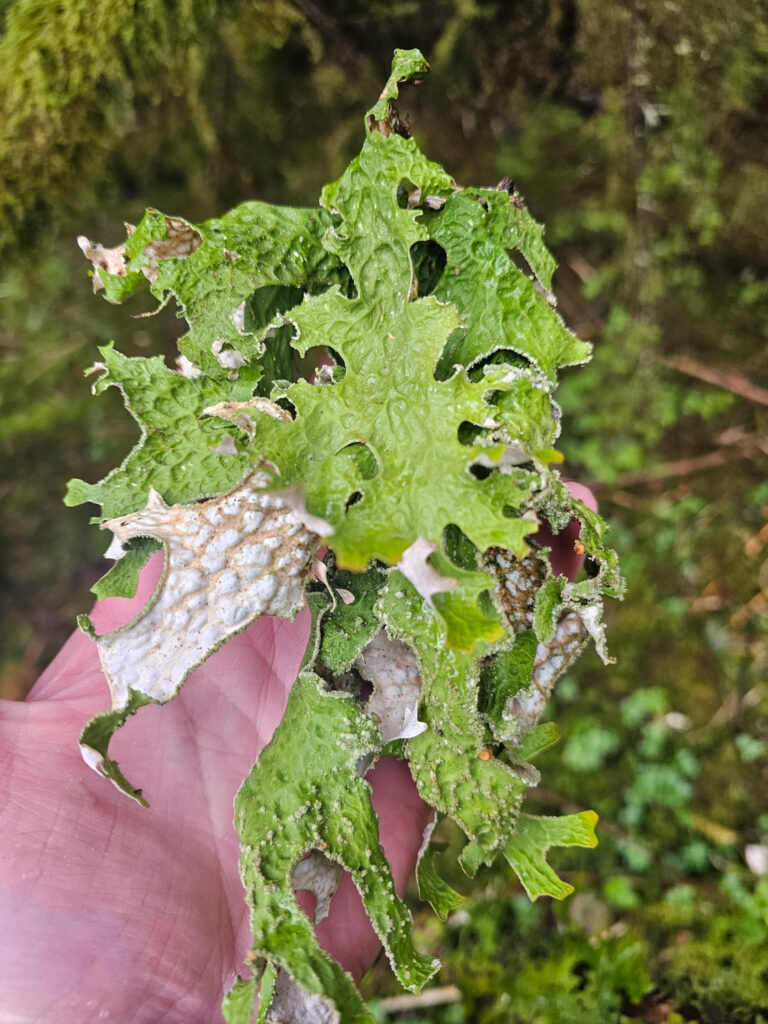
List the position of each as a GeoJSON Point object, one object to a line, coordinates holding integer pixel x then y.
{"type": "Point", "coordinates": [118, 913]}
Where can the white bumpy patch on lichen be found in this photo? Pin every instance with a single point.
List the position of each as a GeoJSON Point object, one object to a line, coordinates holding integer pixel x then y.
{"type": "Point", "coordinates": [317, 874]}
{"type": "Point", "coordinates": [228, 561]}
{"type": "Point", "coordinates": [519, 579]}
{"type": "Point", "coordinates": [550, 662]}
{"type": "Point", "coordinates": [181, 240]}
{"type": "Point", "coordinates": [111, 260]}
{"type": "Point", "coordinates": [393, 669]}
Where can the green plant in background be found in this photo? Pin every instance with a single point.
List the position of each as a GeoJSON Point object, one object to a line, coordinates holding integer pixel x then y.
{"type": "Point", "coordinates": [421, 457]}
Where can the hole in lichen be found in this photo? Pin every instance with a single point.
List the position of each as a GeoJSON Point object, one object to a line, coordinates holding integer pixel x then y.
{"type": "Point", "coordinates": [460, 549]}
{"type": "Point", "coordinates": [521, 263]}
{"type": "Point", "coordinates": [450, 357]}
{"type": "Point", "coordinates": [406, 192]}
{"type": "Point", "coordinates": [278, 362]}
{"type": "Point", "coordinates": [336, 357]}
{"type": "Point", "coordinates": [321, 365]}
{"type": "Point", "coordinates": [307, 900]}
{"type": "Point", "coordinates": [468, 433]}
{"type": "Point", "coordinates": [363, 458]}
{"type": "Point", "coordinates": [591, 567]}
{"type": "Point", "coordinates": [264, 305]}
{"type": "Point", "coordinates": [501, 357]}
{"type": "Point", "coordinates": [287, 404]}
{"type": "Point", "coordinates": [353, 499]}
{"type": "Point", "coordinates": [429, 261]}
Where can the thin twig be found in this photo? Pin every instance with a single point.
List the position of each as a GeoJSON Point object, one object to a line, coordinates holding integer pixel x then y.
{"type": "Point", "coordinates": [756, 544]}
{"type": "Point", "coordinates": [757, 605]}
{"type": "Point", "coordinates": [430, 997]}
{"type": "Point", "coordinates": [740, 446]}
{"type": "Point", "coordinates": [622, 498]}
{"type": "Point", "coordinates": [728, 379]}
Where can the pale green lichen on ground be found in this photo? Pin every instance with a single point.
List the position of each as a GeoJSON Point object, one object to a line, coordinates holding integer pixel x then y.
{"type": "Point", "coordinates": [427, 446]}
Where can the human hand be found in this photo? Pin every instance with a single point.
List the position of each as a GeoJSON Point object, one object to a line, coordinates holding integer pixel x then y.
{"type": "Point", "coordinates": [564, 556]}
{"type": "Point", "coordinates": [113, 912]}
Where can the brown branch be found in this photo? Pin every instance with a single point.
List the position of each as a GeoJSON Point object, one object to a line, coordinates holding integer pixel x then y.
{"type": "Point", "coordinates": [622, 498]}
{"type": "Point", "coordinates": [736, 445]}
{"type": "Point", "coordinates": [681, 467]}
{"type": "Point", "coordinates": [721, 377]}
{"type": "Point", "coordinates": [757, 605]}
{"type": "Point", "coordinates": [756, 544]}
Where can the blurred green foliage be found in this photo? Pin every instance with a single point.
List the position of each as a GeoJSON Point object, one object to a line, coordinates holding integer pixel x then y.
{"type": "Point", "coordinates": [637, 132]}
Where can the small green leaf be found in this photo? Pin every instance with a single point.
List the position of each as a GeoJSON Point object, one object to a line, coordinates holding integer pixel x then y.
{"type": "Point", "coordinates": [546, 607]}
{"type": "Point", "coordinates": [123, 578]}
{"type": "Point", "coordinates": [407, 65]}
{"type": "Point", "coordinates": [468, 621]}
{"type": "Point", "coordinates": [266, 991]}
{"type": "Point", "coordinates": [347, 628]}
{"type": "Point", "coordinates": [540, 738]}
{"type": "Point", "coordinates": [237, 1006]}
{"type": "Point", "coordinates": [441, 897]}
{"type": "Point", "coordinates": [502, 677]}
{"type": "Point", "coordinates": [526, 850]}
{"type": "Point", "coordinates": [549, 456]}
{"type": "Point", "coordinates": [94, 743]}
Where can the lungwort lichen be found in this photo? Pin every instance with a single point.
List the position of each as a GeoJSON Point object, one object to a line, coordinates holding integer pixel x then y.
{"type": "Point", "coordinates": [420, 453]}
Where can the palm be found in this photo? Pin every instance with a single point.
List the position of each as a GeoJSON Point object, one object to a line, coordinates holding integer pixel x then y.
{"type": "Point", "coordinates": [114, 912]}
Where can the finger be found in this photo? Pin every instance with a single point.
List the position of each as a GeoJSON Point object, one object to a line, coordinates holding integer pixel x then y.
{"type": "Point", "coordinates": [136, 911]}
{"type": "Point", "coordinates": [347, 933]}
{"type": "Point", "coordinates": [107, 912]}
{"type": "Point", "coordinates": [565, 558]}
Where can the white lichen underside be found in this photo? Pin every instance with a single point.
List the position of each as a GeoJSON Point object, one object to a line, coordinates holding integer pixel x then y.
{"type": "Point", "coordinates": [393, 669]}
{"type": "Point", "coordinates": [551, 661]}
{"type": "Point", "coordinates": [519, 580]}
{"type": "Point", "coordinates": [292, 1004]}
{"type": "Point", "coordinates": [317, 874]}
{"type": "Point", "coordinates": [228, 561]}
